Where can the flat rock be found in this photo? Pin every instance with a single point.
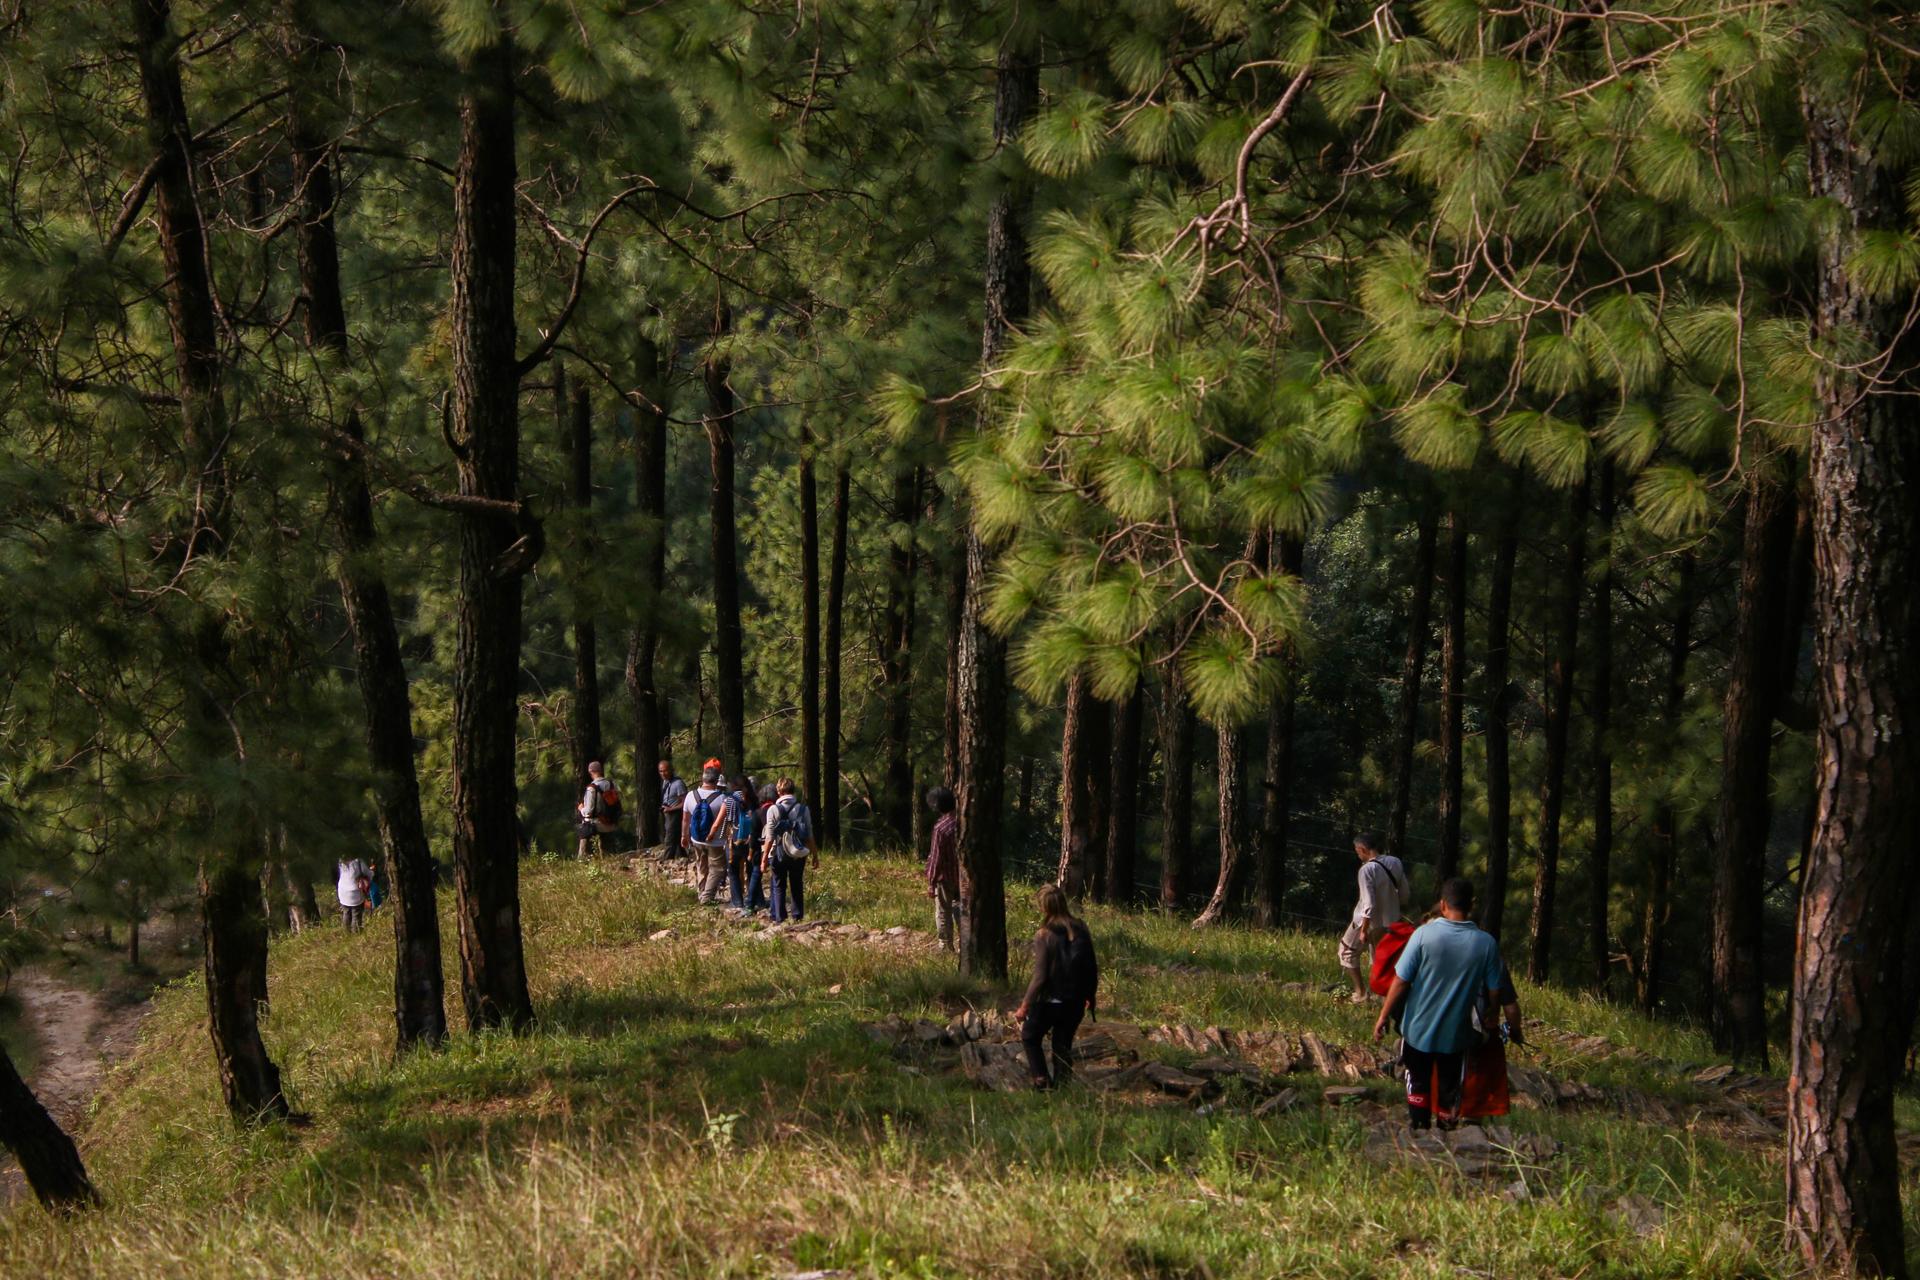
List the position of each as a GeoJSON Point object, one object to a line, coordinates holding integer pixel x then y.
{"type": "Point", "coordinates": [1343, 1094]}
{"type": "Point", "coordinates": [1473, 1150]}
{"type": "Point", "coordinates": [1714, 1075]}
{"type": "Point", "coordinates": [663, 935]}
{"type": "Point", "coordinates": [1285, 1100]}
{"type": "Point", "coordinates": [898, 931]}
{"type": "Point", "coordinates": [1216, 1067]}
{"type": "Point", "coordinates": [1169, 1079]}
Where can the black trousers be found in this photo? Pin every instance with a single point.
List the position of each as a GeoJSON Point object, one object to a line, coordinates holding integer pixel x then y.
{"type": "Point", "coordinates": [1434, 1082]}
{"type": "Point", "coordinates": [670, 832]}
{"type": "Point", "coordinates": [1060, 1020]}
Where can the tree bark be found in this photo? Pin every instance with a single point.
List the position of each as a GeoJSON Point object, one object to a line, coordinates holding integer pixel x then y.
{"type": "Point", "coordinates": [1499, 694]}
{"type": "Point", "coordinates": [1600, 870]}
{"type": "Point", "coordinates": [419, 998]}
{"type": "Point", "coordinates": [1406, 733]}
{"type": "Point", "coordinates": [1666, 818]}
{"type": "Point", "coordinates": [46, 1154]}
{"type": "Point", "coordinates": [897, 805]}
{"type": "Point", "coordinates": [1553, 785]}
{"type": "Point", "coordinates": [1086, 758]}
{"type": "Point", "coordinates": [577, 426]}
{"type": "Point", "coordinates": [235, 963]}
{"type": "Point", "coordinates": [1858, 959]}
{"type": "Point", "coordinates": [1752, 699]}
{"type": "Point", "coordinates": [1453, 697]}
{"type": "Point", "coordinates": [1123, 799]}
{"type": "Point", "coordinates": [485, 432]}
{"type": "Point", "coordinates": [809, 623]}
{"type": "Point", "coordinates": [836, 605]}
{"type": "Point", "coordinates": [651, 730]}
{"type": "Point", "coordinates": [980, 677]}
{"type": "Point", "coordinates": [1271, 888]}
{"type": "Point", "coordinates": [1232, 824]}
{"type": "Point", "coordinates": [729, 672]}
{"type": "Point", "coordinates": [955, 584]}
{"type": "Point", "coordinates": [1176, 796]}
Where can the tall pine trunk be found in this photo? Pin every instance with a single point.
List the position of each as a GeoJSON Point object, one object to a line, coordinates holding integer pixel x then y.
{"type": "Point", "coordinates": [1739, 1017]}
{"type": "Point", "coordinates": [235, 936]}
{"type": "Point", "coordinates": [954, 584]}
{"type": "Point", "coordinates": [1499, 698]}
{"type": "Point", "coordinates": [809, 623]}
{"type": "Point", "coordinates": [1406, 731]}
{"type": "Point", "coordinates": [1176, 790]}
{"type": "Point", "coordinates": [1086, 759]}
{"type": "Point", "coordinates": [729, 671]}
{"type": "Point", "coordinates": [46, 1154]}
{"type": "Point", "coordinates": [485, 433]}
{"type": "Point", "coordinates": [1277, 779]}
{"type": "Point", "coordinates": [1123, 798]}
{"type": "Point", "coordinates": [1453, 698]}
{"type": "Point", "coordinates": [1666, 816]}
{"type": "Point", "coordinates": [980, 675]}
{"type": "Point", "coordinates": [576, 422]}
{"type": "Point", "coordinates": [1600, 867]}
{"type": "Point", "coordinates": [1232, 771]}
{"type": "Point", "coordinates": [1553, 784]}
{"type": "Point", "coordinates": [836, 605]}
{"type": "Point", "coordinates": [896, 662]}
{"type": "Point", "coordinates": [1858, 961]}
{"type": "Point", "coordinates": [651, 730]}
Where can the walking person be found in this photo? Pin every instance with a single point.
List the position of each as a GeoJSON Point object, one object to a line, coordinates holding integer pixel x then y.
{"type": "Point", "coordinates": [599, 810]}
{"type": "Point", "coordinates": [746, 816]}
{"type": "Point", "coordinates": [758, 883]}
{"type": "Point", "coordinates": [1383, 887]}
{"type": "Point", "coordinates": [707, 832]}
{"type": "Point", "coordinates": [1449, 976]}
{"type": "Point", "coordinates": [943, 868]}
{"type": "Point", "coordinates": [1064, 988]}
{"type": "Point", "coordinates": [673, 796]}
{"type": "Point", "coordinates": [351, 880]}
{"type": "Point", "coordinates": [787, 845]}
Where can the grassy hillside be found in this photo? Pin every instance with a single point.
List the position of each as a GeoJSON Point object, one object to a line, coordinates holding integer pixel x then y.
{"type": "Point", "coordinates": [710, 1104]}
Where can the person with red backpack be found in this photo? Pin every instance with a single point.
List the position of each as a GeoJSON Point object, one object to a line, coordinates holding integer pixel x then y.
{"type": "Point", "coordinates": [1065, 987]}
{"type": "Point", "coordinates": [707, 830]}
{"type": "Point", "coordinates": [600, 811]}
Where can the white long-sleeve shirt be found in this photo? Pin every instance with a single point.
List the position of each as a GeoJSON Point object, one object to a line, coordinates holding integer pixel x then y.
{"type": "Point", "coordinates": [1383, 884]}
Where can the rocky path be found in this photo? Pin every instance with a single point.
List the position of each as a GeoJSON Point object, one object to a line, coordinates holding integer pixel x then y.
{"type": "Point", "coordinates": [79, 1035]}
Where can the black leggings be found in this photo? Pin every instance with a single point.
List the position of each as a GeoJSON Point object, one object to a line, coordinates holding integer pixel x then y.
{"type": "Point", "coordinates": [1434, 1082]}
{"type": "Point", "coordinates": [1060, 1019]}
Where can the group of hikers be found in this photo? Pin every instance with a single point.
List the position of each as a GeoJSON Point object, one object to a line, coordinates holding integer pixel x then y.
{"type": "Point", "coordinates": [1441, 984]}
{"type": "Point", "coordinates": [750, 846]}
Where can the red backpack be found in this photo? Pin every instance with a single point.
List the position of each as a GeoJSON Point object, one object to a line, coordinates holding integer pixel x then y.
{"type": "Point", "coordinates": [1386, 952]}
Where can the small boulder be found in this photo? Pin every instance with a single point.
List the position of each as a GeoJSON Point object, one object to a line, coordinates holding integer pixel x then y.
{"type": "Point", "coordinates": [1180, 1084]}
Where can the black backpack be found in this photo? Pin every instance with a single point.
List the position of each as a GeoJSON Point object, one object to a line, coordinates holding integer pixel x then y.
{"type": "Point", "coordinates": [1079, 984]}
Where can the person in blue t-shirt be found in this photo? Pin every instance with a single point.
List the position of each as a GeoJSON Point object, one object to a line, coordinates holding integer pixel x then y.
{"type": "Point", "coordinates": [1443, 969]}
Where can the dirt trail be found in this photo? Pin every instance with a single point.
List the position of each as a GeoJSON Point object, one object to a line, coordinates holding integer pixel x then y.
{"type": "Point", "coordinates": [78, 1035]}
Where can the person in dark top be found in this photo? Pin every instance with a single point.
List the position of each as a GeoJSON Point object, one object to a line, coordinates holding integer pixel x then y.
{"type": "Point", "coordinates": [1066, 980]}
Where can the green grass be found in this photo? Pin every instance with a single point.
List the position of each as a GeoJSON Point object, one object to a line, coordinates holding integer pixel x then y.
{"type": "Point", "coordinates": [705, 1106]}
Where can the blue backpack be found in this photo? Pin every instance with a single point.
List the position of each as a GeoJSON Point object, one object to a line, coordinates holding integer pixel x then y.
{"type": "Point", "coordinates": [709, 812]}
{"type": "Point", "coordinates": [743, 826]}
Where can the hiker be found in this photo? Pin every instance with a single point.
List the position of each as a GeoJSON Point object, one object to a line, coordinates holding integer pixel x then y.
{"type": "Point", "coordinates": [599, 811]}
{"type": "Point", "coordinates": [673, 795]}
{"type": "Point", "coordinates": [707, 832]}
{"type": "Point", "coordinates": [786, 846]}
{"type": "Point", "coordinates": [351, 885]}
{"type": "Point", "coordinates": [1383, 883]}
{"type": "Point", "coordinates": [1449, 977]}
{"type": "Point", "coordinates": [943, 868]}
{"type": "Point", "coordinates": [758, 884]}
{"type": "Point", "coordinates": [1064, 988]}
{"type": "Point", "coordinates": [740, 855]}
{"type": "Point", "coordinates": [376, 891]}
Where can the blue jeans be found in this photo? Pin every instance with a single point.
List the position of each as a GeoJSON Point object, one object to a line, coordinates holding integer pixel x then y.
{"type": "Point", "coordinates": [789, 888]}
{"type": "Point", "coordinates": [756, 896]}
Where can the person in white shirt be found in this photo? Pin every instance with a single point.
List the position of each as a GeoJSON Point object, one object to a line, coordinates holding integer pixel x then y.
{"type": "Point", "coordinates": [351, 885]}
{"type": "Point", "coordinates": [706, 829]}
{"type": "Point", "coordinates": [1383, 887]}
